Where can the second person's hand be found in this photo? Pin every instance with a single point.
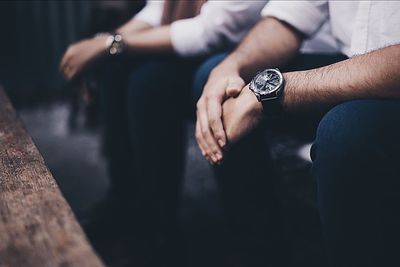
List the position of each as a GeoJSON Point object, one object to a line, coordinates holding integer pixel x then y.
{"type": "Point", "coordinates": [80, 56]}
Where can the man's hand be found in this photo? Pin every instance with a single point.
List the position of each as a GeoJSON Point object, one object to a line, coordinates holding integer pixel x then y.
{"type": "Point", "coordinates": [210, 133]}
{"type": "Point", "coordinates": [80, 56]}
{"type": "Point", "coordinates": [241, 115]}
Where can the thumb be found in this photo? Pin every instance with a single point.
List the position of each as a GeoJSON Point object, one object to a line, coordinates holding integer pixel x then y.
{"type": "Point", "coordinates": [235, 86]}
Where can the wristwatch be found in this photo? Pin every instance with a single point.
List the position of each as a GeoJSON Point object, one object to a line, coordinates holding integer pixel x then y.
{"type": "Point", "coordinates": [115, 44]}
{"type": "Point", "coordinates": [268, 86]}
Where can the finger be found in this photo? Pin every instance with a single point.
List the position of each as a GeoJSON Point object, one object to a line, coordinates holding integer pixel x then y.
{"type": "Point", "coordinates": [66, 68]}
{"type": "Point", "coordinates": [213, 150]}
{"type": "Point", "coordinates": [234, 86]}
{"type": "Point", "coordinates": [214, 112]}
{"type": "Point", "coordinates": [205, 151]}
{"type": "Point", "coordinates": [63, 67]}
{"type": "Point", "coordinates": [70, 73]}
{"type": "Point", "coordinates": [202, 144]}
{"type": "Point", "coordinates": [65, 59]}
{"type": "Point", "coordinates": [62, 63]}
{"type": "Point", "coordinates": [199, 139]}
{"type": "Point", "coordinates": [67, 72]}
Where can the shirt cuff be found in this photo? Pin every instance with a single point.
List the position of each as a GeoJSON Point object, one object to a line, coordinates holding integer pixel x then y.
{"type": "Point", "coordinates": [305, 16]}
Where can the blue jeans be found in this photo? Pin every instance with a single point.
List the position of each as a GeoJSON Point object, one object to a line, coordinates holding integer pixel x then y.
{"type": "Point", "coordinates": [355, 159]}
{"type": "Point", "coordinates": [145, 108]}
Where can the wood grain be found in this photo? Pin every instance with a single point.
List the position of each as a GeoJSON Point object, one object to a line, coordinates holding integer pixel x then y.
{"type": "Point", "coordinates": [37, 226]}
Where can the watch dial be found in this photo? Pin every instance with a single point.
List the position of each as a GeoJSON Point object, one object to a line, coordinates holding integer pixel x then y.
{"type": "Point", "coordinates": [267, 81]}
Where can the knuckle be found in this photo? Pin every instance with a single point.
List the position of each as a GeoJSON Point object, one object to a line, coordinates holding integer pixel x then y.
{"type": "Point", "coordinates": [215, 149]}
{"type": "Point", "coordinates": [220, 134]}
{"type": "Point", "coordinates": [213, 121]}
{"type": "Point", "coordinates": [204, 132]}
{"type": "Point", "coordinates": [198, 136]}
{"type": "Point", "coordinates": [211, 96]}
{"type": "Point", "coordinates": [199, 104]}
{"type": "Point", "coordinates": [229, 133]}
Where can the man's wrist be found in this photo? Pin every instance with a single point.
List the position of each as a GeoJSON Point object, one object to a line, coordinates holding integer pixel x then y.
{"type": "Point", "coordinates": [228, 67]}
{"type": "Point", "coordinates": [115, 44]}
{"type": "Point", "coordinates": [252, 102]}
{"type": "Point", "coordinates": [110, 43]}
{"type": "Point", "coordinates": [239, 63]}
{"type": "Point", "coordinates": [100, 46]}
{"type": "Point", "coordinates": [223, 71]}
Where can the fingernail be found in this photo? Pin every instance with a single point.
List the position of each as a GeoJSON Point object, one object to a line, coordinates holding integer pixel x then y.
{"type": "Point", "coordinates": [219, 156]}
{"type": "Point", "coordinates": [221, 143]}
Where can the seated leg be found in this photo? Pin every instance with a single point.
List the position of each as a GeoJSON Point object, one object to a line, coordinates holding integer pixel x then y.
{"type": "Point", "coordinates": [158, 97]}
{"type": "Point", "coordinates": [355, 159]}
{"type": "Point", "coordinates": [245, 181]}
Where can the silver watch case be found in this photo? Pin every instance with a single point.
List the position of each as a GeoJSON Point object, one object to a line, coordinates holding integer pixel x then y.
{"type": "Point", "coordinates": [267, 84]}
{"type": "Point", "coordinates": [115, 44]}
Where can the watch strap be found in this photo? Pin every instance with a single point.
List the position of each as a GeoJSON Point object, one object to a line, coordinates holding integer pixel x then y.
{"type": "Point", "coordinates": [272, 107]}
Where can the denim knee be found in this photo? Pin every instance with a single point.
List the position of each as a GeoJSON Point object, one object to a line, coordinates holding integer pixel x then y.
{"type": "Point", "coordinates": [354, 160]}
{"type": "Point", "coordinates": [349, 133]}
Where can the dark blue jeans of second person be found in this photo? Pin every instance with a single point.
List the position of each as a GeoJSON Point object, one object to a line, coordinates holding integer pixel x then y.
{"type": "Point", "coordinates": [145, 104]}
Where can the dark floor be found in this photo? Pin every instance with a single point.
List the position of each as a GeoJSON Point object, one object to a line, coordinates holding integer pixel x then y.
{"type": "Point", "coordinates": [74, 157]}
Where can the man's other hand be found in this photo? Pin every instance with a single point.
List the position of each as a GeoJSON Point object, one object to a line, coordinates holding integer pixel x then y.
{"type": "Point", "coordinates": [210, 133]}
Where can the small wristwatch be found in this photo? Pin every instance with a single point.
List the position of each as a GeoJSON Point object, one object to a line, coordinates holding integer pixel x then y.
{"type": "Point", "coordinates": [268, 87]}
{"type": "Point", "coordinates": [115, 44]}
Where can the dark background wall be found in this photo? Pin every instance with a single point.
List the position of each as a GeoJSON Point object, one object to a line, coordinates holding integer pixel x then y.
{"type": "Point", "coordinates": [34, 35]}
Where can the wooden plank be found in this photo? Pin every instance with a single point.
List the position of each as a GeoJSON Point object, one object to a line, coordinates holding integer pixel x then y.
{"type": "Point", "coordinates": [37, 226]}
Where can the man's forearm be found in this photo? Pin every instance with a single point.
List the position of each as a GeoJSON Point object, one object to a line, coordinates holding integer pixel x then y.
{"type": "Point", "coordinates": [155, 40]}
{"type": "Point", "coordinates": [271, 43]}
{"type": "Point", "coordinates": [133, 26]}
{"type": "Point", "coordinates": [373, 75]}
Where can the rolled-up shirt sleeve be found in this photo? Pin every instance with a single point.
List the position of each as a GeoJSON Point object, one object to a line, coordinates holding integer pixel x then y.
{"type": "Point", "coordinates": [151, 13]}
{"type": "Point", "coordinates": [305, 16]}
{"type": "Point", "coordinates": [219, 24]}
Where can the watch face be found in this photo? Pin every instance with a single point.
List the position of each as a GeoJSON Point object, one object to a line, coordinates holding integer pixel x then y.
{"type": "Point", "coordinates": [267, 81]}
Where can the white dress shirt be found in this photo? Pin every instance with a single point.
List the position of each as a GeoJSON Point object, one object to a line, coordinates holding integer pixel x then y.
{"type": "Point", "coordinates": [222, 24]}
{"type": "Point", "coordinates": [358, 26]}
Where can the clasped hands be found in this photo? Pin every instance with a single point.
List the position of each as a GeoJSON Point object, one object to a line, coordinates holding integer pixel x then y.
{"type": "Point", "coordinates": [226, 111]}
